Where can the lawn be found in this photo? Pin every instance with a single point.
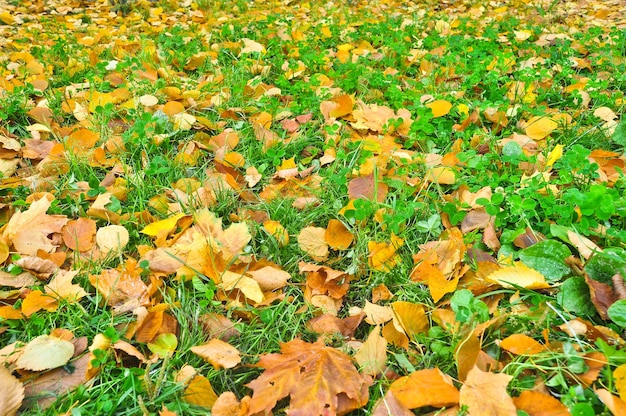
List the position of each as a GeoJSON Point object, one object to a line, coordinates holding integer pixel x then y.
{"type": "Point", "coordinates": [288, 207]}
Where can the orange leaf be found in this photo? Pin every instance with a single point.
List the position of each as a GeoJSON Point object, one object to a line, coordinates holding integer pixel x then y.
{"type": "Point", "coordinates": [411, 317]}
{"type": "Point", "coordinates": [616, 405]}
{"type": "Point", "coordinates": [36, 301]}
{"type": "Point", "coordinates": [317, 379]}
{"type": "Point", "coordinates": [539, 404]}
{"type": "Point", "coordinates": [422, 388]}
{"type": "Point", "coordinates": [219, 353]}
{"type": "Point", "coordinates": [171, 108]}
{"type": "Point", "coordinates": [466, 355]}
{"type": "Point", "coordinates": [80, 234]}
{"type": "Point", "coordinates": [538, 128]}
{"type": "Point", "coordinates": [521, 344]}
{"type": "Point", "coordinates": [485, 394]}
{"type": "Point", "coordinates": [440, 108]}
{"type": "Point", "coordinates": [337, 235]}
{"type": "Point", "coordinates": [382, 255]}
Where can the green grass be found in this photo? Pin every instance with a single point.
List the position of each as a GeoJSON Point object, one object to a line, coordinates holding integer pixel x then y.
{"type": "Point", "coordinates": [470, 58]}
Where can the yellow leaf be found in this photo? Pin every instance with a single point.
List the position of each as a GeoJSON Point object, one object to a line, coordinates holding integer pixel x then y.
{"type": "Point", "coordinates": [518, 275]}
{"type": "Point", "coordinates": [166, 225]}
{"type": "Point", "coordinates": [554, 155]}
{"type": "Point", "coordinates": [619, 374]}
{"type": "Point", "coordinates": [372, 355]}
{"type": "Point", "coordinates": [538, 128]}
{"type": "Point", "coordinates": [439, 108]}
{"type": "Point", "coordinates": [248, 286]}
{"type": "Point", "coordinates": [441, 175]}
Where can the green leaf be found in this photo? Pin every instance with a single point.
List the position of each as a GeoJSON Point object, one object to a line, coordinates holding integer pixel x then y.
{"type": "Point", "coordinates": [602, 266]}
{"type": "Point", "coordinates": [619, 136]}
{"type": "Point", "coordinates": [574, 297]}
{"type": "Point", "coordinates": [617, 312]}
{"type": "Point", "coordinates": [547, 257]}
{"type": "Point", "coordinates": [163, 345]}
{"type": "Point", "coordinates": [615, 357]}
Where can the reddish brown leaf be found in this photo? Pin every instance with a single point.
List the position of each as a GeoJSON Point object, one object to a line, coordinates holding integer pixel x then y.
{"type": "Point", "coordinates": [314, 376]}
{"type": "Point", "coordinates": [367, 187]}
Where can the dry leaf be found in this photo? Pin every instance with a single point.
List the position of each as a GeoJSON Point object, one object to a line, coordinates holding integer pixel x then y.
{"type": "Point", "coordinates": [539, 404]}
{"type": "Point", "coordinates": [219, 353]}
{"type": "Point", "coordinates": [423, 388]}
{"type": "Point", "coordinates": [312, 240]}
{"type": "Point", "coordinates": [44, 353]}
{"type": "Point", "coordinates": [11, 392]}
{"type": "Point", "coordinates": [485, 394]}
{"type": "Point", "coordinates": [372, 355]}
{"type": "Point", "coordinates": [316, 378]}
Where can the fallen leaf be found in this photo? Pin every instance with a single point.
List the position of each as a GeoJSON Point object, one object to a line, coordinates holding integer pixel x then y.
{"type": "Point", "coordinates": [485, 394]}
{"type": "Point", "coordinates": [44, 353]}
{"type": "Point", "coordinates": [372, 355]}
{"type": "Point", "coordinates": [314, 376]}
{"type": "Point", "coordinates": [11, 392]}
{"type": "Point", "coordinates": [423, 388]}
{"type": "Point", "coordinates": [539, 404]}
{"type": "Point", "coordinates": [312, 240]}
{"type": "Point", "coordinates": [219, 353]}
{"type": "Point", "coordinates": [521, 344]}
{"type": "Point", "coordinates": [518, 275]}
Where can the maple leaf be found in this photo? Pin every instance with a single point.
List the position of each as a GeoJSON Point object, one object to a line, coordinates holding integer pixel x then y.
{"type": "Point", "coordinates": [30, 230]}
{"type": "Point", "coordinates": [315, 377]}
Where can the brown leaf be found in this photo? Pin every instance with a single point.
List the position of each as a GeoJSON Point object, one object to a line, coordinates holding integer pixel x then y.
{"type": "Point", "coordinates": [422, 388]}
{"type": "Point", "coordinates": [390, 406]}
{"type": "Point", "coordinates": [314, 376]}
{"type": "Point", "coordinates": [485, 394]}
{"type": "Point", "coordinates": [228, 405]}
{"type": "Point", "coordinates": [46, 388]}
{"type": "Point", "coordinates": [11, 392]}
{"type": "Point", "coordinates": [30, 230]}
{"type": "Point", "coordinates": [218, 326]}
{"type": "Point", "coordinates": [367, 187]}
{"type": "Point", "coordinates": [602, 296]}
{"type": "Point", "coordinates": [329, 324]}
{"type": "Point", "coordinates": [122, 288]}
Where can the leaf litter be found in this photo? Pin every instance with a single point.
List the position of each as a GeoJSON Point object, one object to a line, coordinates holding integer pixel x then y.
{"type": "Point", "coordinates": [423, 200]}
